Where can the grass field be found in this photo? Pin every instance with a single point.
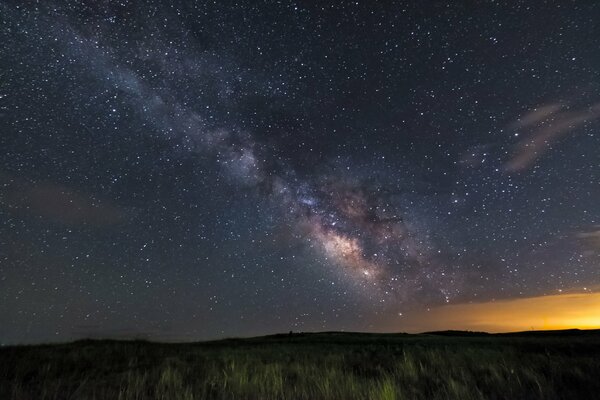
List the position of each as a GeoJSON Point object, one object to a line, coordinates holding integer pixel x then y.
{"type": "Point", "coordinates": [311, 366]}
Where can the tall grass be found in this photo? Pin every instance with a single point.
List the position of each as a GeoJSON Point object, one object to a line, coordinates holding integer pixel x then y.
{"type": "Point", "coordinates": [307, 367]}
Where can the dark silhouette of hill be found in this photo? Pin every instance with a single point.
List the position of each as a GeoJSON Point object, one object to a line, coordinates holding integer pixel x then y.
{"type": "Point", "coordinates": [533, 333]}
{"type": "Point", "coordinates": [560, 333]}
{"type": "Point", "coordinates": [464, 365]}
{"type": "Point", "coordinates": [457, 333]}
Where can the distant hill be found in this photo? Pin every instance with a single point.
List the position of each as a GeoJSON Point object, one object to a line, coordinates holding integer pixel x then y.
{"type": "Point", "coordinates": [555, 333]}
{"type": "Point", "coordinates": [456, 333]}
{"type": "Point", "coordinates": [563, 332]}
{"type": "Point", "coordinates": [320, 365]}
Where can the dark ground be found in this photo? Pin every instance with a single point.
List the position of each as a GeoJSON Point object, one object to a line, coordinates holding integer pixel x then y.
{"type": "Point", "coordinates": [331, 365]}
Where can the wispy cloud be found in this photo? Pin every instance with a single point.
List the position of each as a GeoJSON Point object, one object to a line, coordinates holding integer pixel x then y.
{"type": "Point", "coordinates": [543, 126]}
{"type": "Point", "coordinates": [57, 202]}
{"type": "Point", "coordinates": [591, 239]}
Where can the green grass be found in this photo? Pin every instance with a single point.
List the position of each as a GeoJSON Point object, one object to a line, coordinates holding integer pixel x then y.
{"type": "Point", "coordinates": [309, 366]}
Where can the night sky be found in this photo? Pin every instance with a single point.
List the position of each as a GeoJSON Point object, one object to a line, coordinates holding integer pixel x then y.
{"type": "Point", "coordinates": [198, 170]}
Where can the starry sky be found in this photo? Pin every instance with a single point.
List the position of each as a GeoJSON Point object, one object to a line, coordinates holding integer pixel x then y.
{"type": "Point", "coordinates": [188, 170]}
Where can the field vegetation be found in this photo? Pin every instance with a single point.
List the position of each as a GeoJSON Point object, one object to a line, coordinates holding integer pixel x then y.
{"type": "Point", "coordinates": [315, 366]}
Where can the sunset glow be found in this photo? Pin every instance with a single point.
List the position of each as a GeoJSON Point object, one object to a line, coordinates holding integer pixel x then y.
{"type": "Point", "coordinates": [563, 311]}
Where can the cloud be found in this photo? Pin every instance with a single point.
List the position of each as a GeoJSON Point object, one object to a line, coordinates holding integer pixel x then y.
{"type": "Point", "coordinates": [57, 203]}
{"type": "Point", "coordinates": [591, 239]}
{"type": "Point", "coordinates": [538, 114]}
{"type": "Point", "coordinates": [546, 125]}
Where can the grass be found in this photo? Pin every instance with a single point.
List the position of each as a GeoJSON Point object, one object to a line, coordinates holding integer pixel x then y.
{"type": "Point", "coordinates": [309, 366]}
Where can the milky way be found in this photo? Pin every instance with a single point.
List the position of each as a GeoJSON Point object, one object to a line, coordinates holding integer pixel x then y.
{"type": "Point", "coordinates": [358, 230]}
{"type": "Point", "coordinates": [195, 170]}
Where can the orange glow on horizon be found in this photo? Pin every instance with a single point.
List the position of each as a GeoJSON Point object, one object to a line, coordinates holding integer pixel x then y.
{"type": "Point", "coordinates": [564, 311]}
